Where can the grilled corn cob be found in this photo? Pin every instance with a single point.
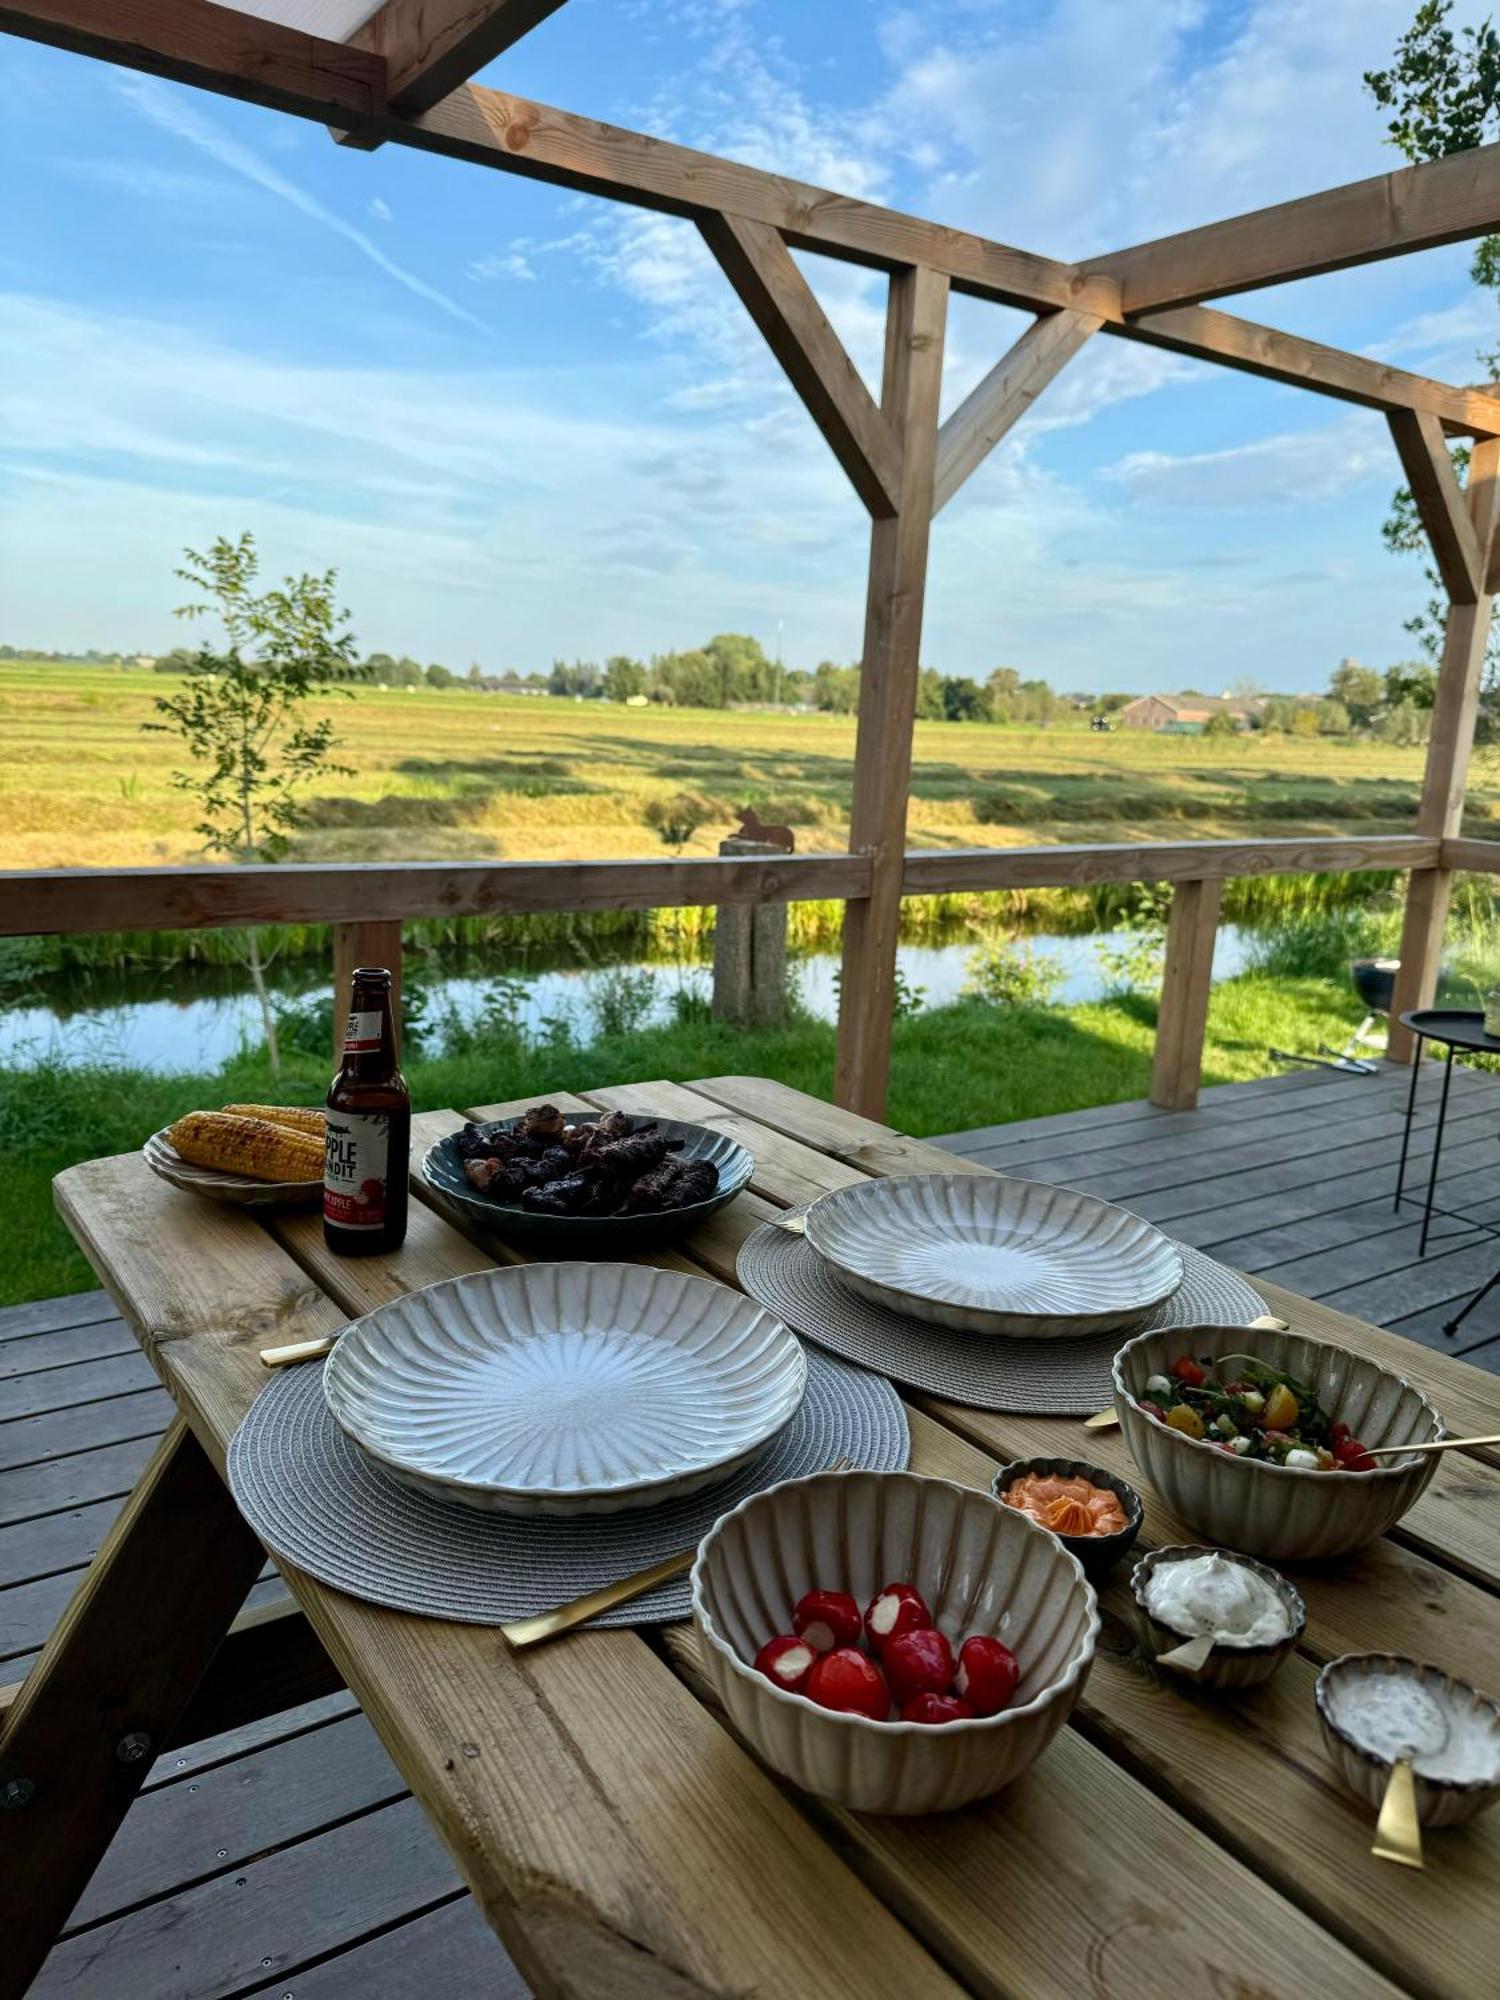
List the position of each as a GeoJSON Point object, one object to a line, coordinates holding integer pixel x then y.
{"type": "Point", "coordinates": [251, 1146]}
{"type": "Point", "coordinates": [311, 1122]}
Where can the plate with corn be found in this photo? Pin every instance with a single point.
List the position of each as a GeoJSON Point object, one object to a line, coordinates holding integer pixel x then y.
{"type": "Point", "coordinates": [270, 1154]}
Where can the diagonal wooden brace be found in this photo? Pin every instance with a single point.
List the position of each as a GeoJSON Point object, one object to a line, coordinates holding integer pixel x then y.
{"type": "Point", "coordinates": [997, 403]}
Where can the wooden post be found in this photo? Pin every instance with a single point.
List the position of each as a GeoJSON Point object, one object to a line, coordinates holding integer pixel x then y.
{"type": "Point", "coordinates": [363, 944]}
{"type": "Point", "coordinates": [1182, 1019]}
{"type": "Point", "coordinates": [1440, 813]}
{"type": "Point", "coordinates": [749, 953]}
{"type": "Point", "coordinates": [915, 321]}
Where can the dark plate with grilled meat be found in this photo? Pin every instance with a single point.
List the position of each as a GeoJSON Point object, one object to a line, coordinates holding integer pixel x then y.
{"type": "Point", "coordinates": [580, 1183]}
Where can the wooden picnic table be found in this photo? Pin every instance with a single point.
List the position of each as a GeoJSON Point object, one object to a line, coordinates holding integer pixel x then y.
{"type": "Point", "coordinates": [617, 1836]}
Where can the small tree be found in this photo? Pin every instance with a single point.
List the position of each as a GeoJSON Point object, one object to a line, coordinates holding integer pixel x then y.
{"type": "Point", "coordinates": [242, 714]}
{"type": "Point", "coordinates": [677, 819]}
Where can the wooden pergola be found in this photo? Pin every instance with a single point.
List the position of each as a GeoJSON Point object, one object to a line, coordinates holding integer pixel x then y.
{"type": "Point", "coordinates": [397, 73]}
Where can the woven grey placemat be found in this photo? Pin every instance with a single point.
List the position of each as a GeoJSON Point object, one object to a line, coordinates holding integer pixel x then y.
{"type": "Point", "coordinates": [1038, 1378]}
{"type": "Point", "coordinates": [314, 1498]}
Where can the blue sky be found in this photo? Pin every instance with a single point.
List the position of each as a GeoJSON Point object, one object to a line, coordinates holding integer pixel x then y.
{"type": "Point", "coordinates": [523, 424]}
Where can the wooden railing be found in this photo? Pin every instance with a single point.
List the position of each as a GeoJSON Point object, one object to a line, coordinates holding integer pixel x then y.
{"type": "Point", "coordinates": [365, 904]}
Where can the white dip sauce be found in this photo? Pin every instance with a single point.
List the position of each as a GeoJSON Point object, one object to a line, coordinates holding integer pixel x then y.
{"type": "Point", "coordinates": [1214, 1594]}
{"type": "Point", "coordinates": [1396, 1715]}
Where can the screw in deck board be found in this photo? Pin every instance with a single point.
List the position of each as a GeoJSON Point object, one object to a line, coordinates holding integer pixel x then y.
{"type": "Point", "coordinates": [134, 1747]}
{"type": "Point", "coordinates": [15, 1793]}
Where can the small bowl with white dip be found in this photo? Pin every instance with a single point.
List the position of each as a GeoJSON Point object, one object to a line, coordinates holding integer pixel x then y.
{"type": "Point", "coordinates": [1252, 1614]}
{"type": "Point", "coordinates": [1376, 1707]}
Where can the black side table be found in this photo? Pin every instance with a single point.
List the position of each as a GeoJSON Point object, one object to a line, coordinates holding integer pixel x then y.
{"type": "Point", "coordinates": [1456, 1028]}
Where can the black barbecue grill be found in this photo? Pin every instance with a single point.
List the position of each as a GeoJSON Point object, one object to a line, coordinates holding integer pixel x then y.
{"type": "Point", "coordinates": [1375, 983]}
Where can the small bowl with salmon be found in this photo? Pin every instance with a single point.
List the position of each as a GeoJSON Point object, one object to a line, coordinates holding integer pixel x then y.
{"type": "Point", "coordinates": [1093, 1514]}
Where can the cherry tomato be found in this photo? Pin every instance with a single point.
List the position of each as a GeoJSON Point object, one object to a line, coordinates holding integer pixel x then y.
{"type": "Point", "coordinates": [917, 1662]}
{"type": "Point", "coordinates": [849, 1682]}
{"type": "Point", "coordinates": [1183, 1417]}
{"type": "Point", "coordinates": [898, 1608]}
{"type": "Point", "coordinates": [1153, 1410]}
{"type": "Point", "coordinates": [1186, 1369]}
{"type": "Point", "coordinates": [937, 1708]}
{"type": "Point", "coordinates": [786, 1661]}
{"type": "Point", "coordinates": [1352, 1455]}
{"type": "Point", "coordinates": [1337, 1433]}
{"type": "Point", "coordinates": [826, 1618]}
{"type": "Point", "coordinates": [1281, 1410]}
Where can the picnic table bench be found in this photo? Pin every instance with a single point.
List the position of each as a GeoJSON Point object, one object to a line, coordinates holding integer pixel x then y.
{"type": "Point", "coordinates": [616, 1835]}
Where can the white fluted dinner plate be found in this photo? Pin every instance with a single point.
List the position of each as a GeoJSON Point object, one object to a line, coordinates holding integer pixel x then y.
{"type": "Point", "coordinates": [989, 1254]}
{"type": "Point", "coordinates": [565, 1388]}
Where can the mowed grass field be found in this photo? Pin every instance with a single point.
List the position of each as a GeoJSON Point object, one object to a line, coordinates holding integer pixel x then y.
{"type": "Point", "coordinates": [449, 773]}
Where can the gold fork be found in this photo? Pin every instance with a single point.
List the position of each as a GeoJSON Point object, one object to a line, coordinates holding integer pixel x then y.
{"type": "Point", "coordinates": [523, 1632]}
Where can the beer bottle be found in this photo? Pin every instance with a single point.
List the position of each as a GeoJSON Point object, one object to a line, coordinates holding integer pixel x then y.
{"type": "Point", "coordinates": [369, 1129]}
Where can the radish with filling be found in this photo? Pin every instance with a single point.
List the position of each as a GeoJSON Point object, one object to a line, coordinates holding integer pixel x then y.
{"type": "Point", "coordinates": [898, 1608]}
{"type": "Point", "coordinates": [787, 1661]}
{"type": "Point", "coordinates": [827, 1618]}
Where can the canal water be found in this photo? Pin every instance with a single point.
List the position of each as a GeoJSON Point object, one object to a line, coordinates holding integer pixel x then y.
{"type": "Point", "coordinates": [193, 1017]}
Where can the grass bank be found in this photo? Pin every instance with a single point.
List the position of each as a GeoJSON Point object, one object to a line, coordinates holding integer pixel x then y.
{"type": "Point", "coordinates": [953, 1067]}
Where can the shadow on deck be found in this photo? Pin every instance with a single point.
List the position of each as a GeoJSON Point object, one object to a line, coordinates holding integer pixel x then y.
{"type": "Point", "coordinates": [288, 1859]}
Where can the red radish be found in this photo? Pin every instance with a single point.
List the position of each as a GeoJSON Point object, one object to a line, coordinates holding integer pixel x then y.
{"type": "Point", "coordinates": [937, 1708]}
{"type": "Point", "coordinates": [917, 1662]}
{"type": "Point", "coordinates": [827, 1618]}
{"type": "Point", "coordinates": [987, 1675]}
{"type": "Point", "coordinates": [786, 1661]}
{"type": "Point", "coordinates": [898, 1608]}
{"type": "Point", "coordinates": [849, 1682]}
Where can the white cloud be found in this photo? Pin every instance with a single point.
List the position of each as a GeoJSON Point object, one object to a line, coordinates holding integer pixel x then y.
{"type": "Point", "coordinates": [173, 113]}
{"type": "Point", "coordinates": [512, 263]}
{"type": "Point", "coordinates": [1291, 469]}
{"type": "Point", "coordinates": [378, 210]}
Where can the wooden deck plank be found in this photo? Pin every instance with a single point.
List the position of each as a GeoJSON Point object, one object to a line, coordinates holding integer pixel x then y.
{"type": "Point", "coordinates": [73, 1480]}
{"type": "Point", "coordinates": [62, 1541]}
{"type": "Point", "coordinates": [62, 1346]}
{"type": "Point", "coordinates": [34, 1440]}
{"type": "Point", "coordinates": [44, 1389]}
{"type": "Point", "coordinates": [210, 1824]}
{"type": "Point", "coordinates": [43, 1315]}
{"type": "Point", "coordinates": [449, 1953]}
{"type": "Point", "coordinates": [28, 1611]}
{"type": "Point", "coordinates": [265, 1920]}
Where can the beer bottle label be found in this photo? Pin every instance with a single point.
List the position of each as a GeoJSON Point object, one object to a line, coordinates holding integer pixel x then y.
{"type": "Point", "coordinates": [356, 1169]}
{"type": "Point", "coordinates": [362, 1034]}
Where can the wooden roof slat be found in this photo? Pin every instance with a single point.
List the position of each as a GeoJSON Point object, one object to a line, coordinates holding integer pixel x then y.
{"type": "Point", "coordinates": [218, 48]}
{"type": "Point", "coordinates": [1413, 208]}
{"type": "Point", "coordinates": [430, 47]}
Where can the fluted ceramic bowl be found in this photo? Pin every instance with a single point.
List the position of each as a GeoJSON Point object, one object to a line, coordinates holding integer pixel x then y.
{"type": "Point", "coordinates": [1457, 1745]}
{"type": "Point", "coordinates": [1232, 1664]}
{"type": "Point", "coordinates": [989, 1254]}
{"type": "Point", "coordinates": [982, 1568]}
{"type": "Point", "coordinates": [164, 1160]}
{"type": "Point", "coordinates": [1281, 1512]}
{"type": "Point", "coordinates": [595, 1235]}
{"type": "Point", "coordinates": [1097, 1553]}
{"type": "Point", "coordinates": [565, 1388]}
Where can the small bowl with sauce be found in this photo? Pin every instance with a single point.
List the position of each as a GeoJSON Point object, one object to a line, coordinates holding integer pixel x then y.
{"type": "Point", "coordinates": [1253, 1613]}
{"type": "Point", "coordinates": [1376, 1707]}
{"type": "Point", "coordinates": [1093, 1514]}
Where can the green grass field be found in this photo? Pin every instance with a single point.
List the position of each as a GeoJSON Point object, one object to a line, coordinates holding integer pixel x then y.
{"type": "Point", "coordinates": [453, 774]}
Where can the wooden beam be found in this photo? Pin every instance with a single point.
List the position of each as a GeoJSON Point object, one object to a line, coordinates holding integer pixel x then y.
{"type": "Point", "coordinates": [916, 319]}
{"type": "Point", "coordinates": [1445, 778]}
{"type": "Point", "coordinates": [1413, 208]}
{"type": "Point", "coordinates": [218, 48]}
{"type": "Point", "coordinates": [1473, 857]}
{"type": "Point", "coordinates": [333, 81]}
{"type": "Point", "coordinates": [756, 261]}
{"type": "Point", "coordinates": [1440, 503]}
{"type": "Point", "coordinates": [430, 47]}
{"type": "Point", "coordinates": [997, 403]}
{"type": "Point", "coordinates": [1187, 977]}
{"type": "Point", "coordinates": [1208, 335]}
{"type": "Point", "coordinates": [54, 902]}
{"type": "Point", "coordinates": [972, 870]}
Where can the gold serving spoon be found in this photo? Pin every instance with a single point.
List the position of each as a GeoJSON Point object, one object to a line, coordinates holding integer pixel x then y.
{"type": "Point", "coordinates": [1191, 1656]}
{"type": "Point", "coordinates": [1432, 1444]}
{"type": "Point", "coordinates": [1104, 1420]}
{"type": "Point", "coordinates": [1398, 1831]}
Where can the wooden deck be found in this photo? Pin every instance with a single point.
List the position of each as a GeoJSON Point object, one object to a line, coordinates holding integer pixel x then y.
{"type": "Point", "coordinates": [293, 1844]}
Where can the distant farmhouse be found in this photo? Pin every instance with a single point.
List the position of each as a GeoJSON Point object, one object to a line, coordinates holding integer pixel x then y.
{"type": "Point", "coordinates": [1187, 714]}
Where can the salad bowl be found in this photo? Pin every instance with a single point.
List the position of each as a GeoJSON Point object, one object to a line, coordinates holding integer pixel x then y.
{"type": "Point", "coordinates": [983, 1569]}
{"type": "Point", "coordinates": [565, 1388]}
{"type": "Point", "coordinates": [992, 1254]}
{"type": "Point", "coordinates": [1281, 1512]}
